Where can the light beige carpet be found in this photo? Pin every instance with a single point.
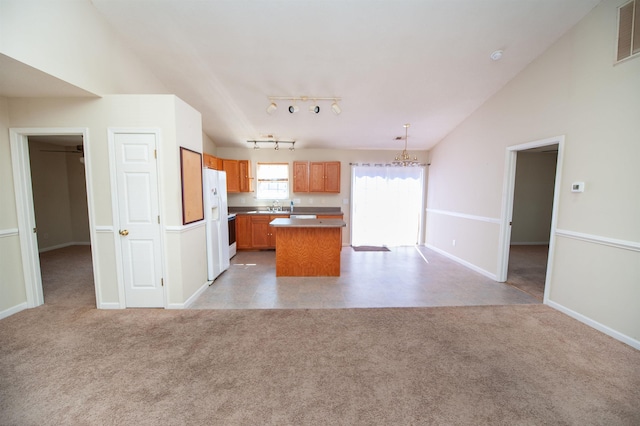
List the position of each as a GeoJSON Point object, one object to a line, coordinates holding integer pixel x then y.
{"type": "Point", "coordinates": [506, 365]}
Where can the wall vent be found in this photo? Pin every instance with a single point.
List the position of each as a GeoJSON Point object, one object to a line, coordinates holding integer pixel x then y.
{"type": "Point", "coordinates": [628, 30]}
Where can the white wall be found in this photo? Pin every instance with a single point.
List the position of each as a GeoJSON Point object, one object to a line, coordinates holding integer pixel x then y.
{"type": "Point", "coordinates": [573, 89]}
{"type": "Point", "coordinates": [71, 41]}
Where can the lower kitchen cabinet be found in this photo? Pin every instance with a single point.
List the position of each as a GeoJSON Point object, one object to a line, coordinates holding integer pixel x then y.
{"type": "Point", "coordinates": [254, 232]}
{"type": "Point", "coordinates": [243, 232]}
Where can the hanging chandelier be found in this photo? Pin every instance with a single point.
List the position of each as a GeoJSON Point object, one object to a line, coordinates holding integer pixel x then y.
{"type": "Point", "coordinates": [404, 159]}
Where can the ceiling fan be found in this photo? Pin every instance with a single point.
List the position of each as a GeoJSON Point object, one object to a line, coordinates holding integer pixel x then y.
{"type": "Point", "coordinates": [79, 150]}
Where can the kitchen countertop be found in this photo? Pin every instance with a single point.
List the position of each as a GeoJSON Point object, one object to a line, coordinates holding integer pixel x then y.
{"type": "Point", "coordinates": [307, 223]}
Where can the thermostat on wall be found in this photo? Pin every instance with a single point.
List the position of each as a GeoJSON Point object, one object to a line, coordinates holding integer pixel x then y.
{"type": "Point", "coordinates": [577, 187]}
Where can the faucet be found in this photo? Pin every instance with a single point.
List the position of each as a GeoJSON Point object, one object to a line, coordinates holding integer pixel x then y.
{"type": "Point", "coordinates": [278, 207]}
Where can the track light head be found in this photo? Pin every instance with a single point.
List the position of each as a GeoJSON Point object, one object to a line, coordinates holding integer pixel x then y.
{"type": "Point", "coordinates": [277, 147]}
{"type": "Point", "coordinates": [292, 147]}
{"type": "Point", "coordinates": [272, 108]}
{"type": "Point", "coordinates": [335, 108]}
{"type": "Point", "coordinates": [314, 109]}
{"type": "Point", "coordinates": [293, 108]}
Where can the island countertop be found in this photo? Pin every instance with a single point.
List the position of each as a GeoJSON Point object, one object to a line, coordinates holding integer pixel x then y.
{"type": "Point", "coordinates": [307, 223]}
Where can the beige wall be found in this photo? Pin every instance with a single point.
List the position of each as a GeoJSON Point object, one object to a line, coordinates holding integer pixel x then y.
{"type": "Point", "coordinates": [59, 197]}
{"type": "Point", "coordinates": [341, 200]}
{"type": "Point", "coordinates": [71, 41]}
{"type": "Point", "coordinates": [573, 89]}
{"type": "Point", "coordinates": [179, 125]}
{"type": "Point", "coordinates": [533, 198]}
{"type": "Point", "coordinates": [12, 291]}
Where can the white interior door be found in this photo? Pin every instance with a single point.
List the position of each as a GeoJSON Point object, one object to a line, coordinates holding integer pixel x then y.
{"type": "Point", "coordinates": [138, 214]}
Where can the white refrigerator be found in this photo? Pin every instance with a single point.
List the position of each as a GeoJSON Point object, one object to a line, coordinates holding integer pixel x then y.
{"type": "Point", "coordinates": [215, 215]}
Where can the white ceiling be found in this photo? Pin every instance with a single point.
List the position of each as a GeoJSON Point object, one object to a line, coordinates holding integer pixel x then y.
{"type": "Point", "coordinates": [424, 62]}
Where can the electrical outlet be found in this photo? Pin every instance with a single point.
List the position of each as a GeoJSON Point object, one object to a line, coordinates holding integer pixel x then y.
{"type": "Point", "coordinates": [454, 243]}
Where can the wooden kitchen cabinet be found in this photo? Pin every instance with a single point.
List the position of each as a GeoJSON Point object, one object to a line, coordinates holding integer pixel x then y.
{"type": "Point", "coordinates": [263, 236]}
{"type": "Point", "coordinates": [233, 174]}
{"type": "Point", "coordinates": [330, 216]}
{"type": "Point", "coordinates": [324, 176]}
{"type": "Point", "coordinates": [243, 232]}
{"type": "Point", "coordinates": [212, 162]}
{"type": "Point", "coordinates": [238, 175]}
{"type": "Point", "coordinates": [244, 175]}
{"type": "Point", "coordinates": [300, 176]}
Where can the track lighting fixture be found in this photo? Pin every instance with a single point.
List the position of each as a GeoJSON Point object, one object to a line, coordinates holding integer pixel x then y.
{"type": "Point", "coordinates": [293, 108]}
{"type": "Point", "coordinates": [272, 108]}
{"type": "Point", "coordinates": [335, 108]}
{"type": "Point", "coordinates": [276, 143]}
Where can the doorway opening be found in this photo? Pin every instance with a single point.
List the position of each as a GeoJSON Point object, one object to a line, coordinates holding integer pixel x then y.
{"type": "Point", "coordinates": [51, 188]}
{"type": "Point", "coordinates": [387, 204]}
{"type": "Point", "coordinates": [529, 215]}
{"type": "Point", "coordinates": [58, 185]}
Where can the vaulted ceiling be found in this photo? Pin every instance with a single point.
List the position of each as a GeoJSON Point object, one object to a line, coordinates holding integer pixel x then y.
{"type": "Point", "coordinates": [391, 62]}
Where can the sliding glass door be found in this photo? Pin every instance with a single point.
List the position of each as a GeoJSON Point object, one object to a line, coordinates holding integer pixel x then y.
{"type": "Point", "coordinates": [387, 203]}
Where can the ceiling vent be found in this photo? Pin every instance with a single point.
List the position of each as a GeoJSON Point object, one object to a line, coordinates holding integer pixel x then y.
{"type": "Point", "coordinates": [628, 30]}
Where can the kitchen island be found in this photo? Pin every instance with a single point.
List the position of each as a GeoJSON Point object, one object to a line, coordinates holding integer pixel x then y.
{"type": "Point", "coordinates": [308, 247]}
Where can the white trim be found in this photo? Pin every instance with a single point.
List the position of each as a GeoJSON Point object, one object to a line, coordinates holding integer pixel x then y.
{"type": "Point", "coordinates": [596, 239]}
{"type": "Point", "coordinates": [465, 216]}
{"type": "Point", "coordinates": [183, 228]}
{"type": "Point", "coordinates": [110, 305]}
{"type": "Point", "coordinates": [595, 324]}
{"type": "Point", "coordinates": [13, 310]}
{"type": "Point", "coordinates": [191, 299]}
{"type": "Point", "coordinates": [24, 205]}
{"type": "Point", "coordinates": [506, 215]}
{"type": "Point", "coordinates": [463, 262]}
{"type": "Point", "coordinates": [8, 232]}
{"type": "Point", "coordinates": [104, 228]}
{"type": "Point", "coordinates": [530, 243]}
{"type": "Point", "coordinates": [63, 245]}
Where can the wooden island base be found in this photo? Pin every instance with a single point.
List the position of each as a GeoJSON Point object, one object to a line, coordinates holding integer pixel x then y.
{"type": "Point", "coordinates": [308, 252]}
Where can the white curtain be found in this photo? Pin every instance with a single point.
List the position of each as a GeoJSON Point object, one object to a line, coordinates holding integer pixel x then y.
{"type": "Point", "coordinates": [386, 205]}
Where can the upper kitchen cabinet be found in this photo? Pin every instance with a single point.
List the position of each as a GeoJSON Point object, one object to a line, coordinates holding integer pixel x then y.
{"type": "Point", "coordinates": [212, 162]}
{"type": "Point", "coordinates": [245, 176]}
{"type": "Point", "coordinates": [238, 175]}
{"type": "Point", "coordinates": [324, 176]}
{"type": "Point", "coordinates": [300, 176]}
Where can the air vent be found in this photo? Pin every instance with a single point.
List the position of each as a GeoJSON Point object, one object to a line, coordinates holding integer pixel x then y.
{"type": "Point", "coordinates": [628, 30]}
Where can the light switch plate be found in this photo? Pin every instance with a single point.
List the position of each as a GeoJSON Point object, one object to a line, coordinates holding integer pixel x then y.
{"type": "Point", "coordinates": [577, 187]}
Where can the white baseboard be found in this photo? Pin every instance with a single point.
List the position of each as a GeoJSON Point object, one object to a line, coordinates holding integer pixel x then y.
{"type": "Point", "coordinates": [595, 324]}
{"type": "Point", "coordinates": [110, 305]}
{"type": "Point", "coordinates": [13, 310]}
{"type": "Point", "coordinates": [463, 262]}
{"type": "Point", "coordinates": [533, 243]}
{"type": "Point", "coordinates": [59, 246]}
{"type": "Point", "coordinates": [191, 299]}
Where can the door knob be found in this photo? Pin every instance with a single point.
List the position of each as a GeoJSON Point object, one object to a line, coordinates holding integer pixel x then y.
{"type": "Point", "coordinates": [124, 232]}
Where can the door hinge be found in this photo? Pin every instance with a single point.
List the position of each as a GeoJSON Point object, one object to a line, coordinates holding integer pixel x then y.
{"type": "Point", "coordinates": [162, 282]}
{"type": "Point", "coordinates": [155, 153]}
{"type": "Point", "coordinates": [158, 220]}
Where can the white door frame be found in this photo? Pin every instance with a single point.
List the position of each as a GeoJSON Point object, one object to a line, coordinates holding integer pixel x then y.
{"type": "Point", "coordinates": [507, 207]}
{"type": "Point", "coordinates": [24, 206]}
{"type": "Point", "coordinates": [111, 132]}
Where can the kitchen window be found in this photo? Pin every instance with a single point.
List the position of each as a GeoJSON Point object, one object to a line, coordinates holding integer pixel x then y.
{"type": "Point", "coordinates": [273, 181]}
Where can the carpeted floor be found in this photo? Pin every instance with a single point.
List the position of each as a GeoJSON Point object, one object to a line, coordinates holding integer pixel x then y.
{"type": "Point", "coordinates": [521, 364]}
